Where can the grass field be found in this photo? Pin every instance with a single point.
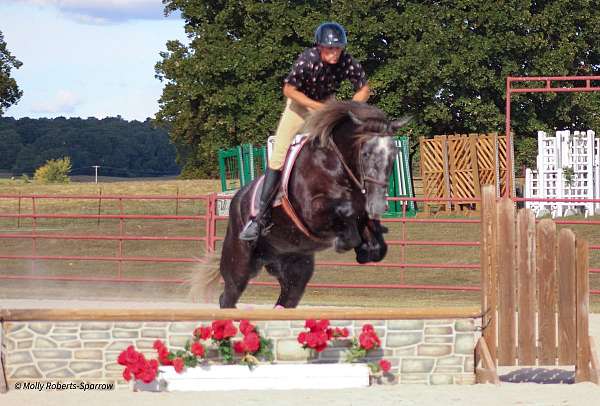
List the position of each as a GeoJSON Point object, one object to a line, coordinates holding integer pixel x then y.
{"type": "Point", "coordinates": [156, 291]}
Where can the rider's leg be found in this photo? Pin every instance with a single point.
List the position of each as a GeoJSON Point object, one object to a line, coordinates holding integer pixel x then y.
{"type": "Point", "coordinates": [291, 122]}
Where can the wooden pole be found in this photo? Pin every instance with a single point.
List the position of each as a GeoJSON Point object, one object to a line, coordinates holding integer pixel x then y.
{"type": "Point", "coordinates": [113, 314]}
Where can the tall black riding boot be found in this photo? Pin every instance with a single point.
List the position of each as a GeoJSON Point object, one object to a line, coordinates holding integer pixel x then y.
{"type": "Point", "coordinates": [253, 228]}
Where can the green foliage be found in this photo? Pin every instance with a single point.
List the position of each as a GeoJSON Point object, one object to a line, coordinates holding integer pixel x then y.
{"type": "Point", "coordinates": [526, 152]}
{"type": "Point", "coordinates": [121, 148]}
{"type": "Point", "coordinates": [54, 171]}
{"type": "Point", "coordinates": [569, 174]}
{"type": "Point", "coordinates": [444, 62]}
{"type": "Point", "coordinates": [225, 350]}
{"type": "Point", "coordinates": [9, 91]}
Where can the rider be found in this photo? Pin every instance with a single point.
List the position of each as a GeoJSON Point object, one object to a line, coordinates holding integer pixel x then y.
{"type": "Point", "coordinates": [315, 77]}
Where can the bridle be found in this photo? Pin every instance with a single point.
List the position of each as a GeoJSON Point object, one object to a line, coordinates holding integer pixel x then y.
{"type": "Point", "coordinates": [359, 182]}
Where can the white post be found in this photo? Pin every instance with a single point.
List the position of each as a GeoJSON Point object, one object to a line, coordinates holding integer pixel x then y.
{"type": "Point", "coordinates": [96, 173]}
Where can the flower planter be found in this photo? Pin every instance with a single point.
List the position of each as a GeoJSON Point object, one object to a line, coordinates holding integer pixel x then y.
{"type": "Point", "coordinates": [269, 376]}
{"type": "Point", "coordinates": [154, 386]}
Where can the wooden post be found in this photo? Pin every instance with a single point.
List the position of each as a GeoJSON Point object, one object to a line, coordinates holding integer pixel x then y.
{"type": "Point", "coordinates": [447, 192]}
{"type": "Point", "coordinates": [526, 257]}
{"type": "Point", "coordinates": [546, 280]}
{"type": "Point", "coordinates": [3, 383]}
{"type": "Point", "coordinates": [566, 297]}
{"type": "Point", "coordinates": [583, 370]}
{"type": "Point", "coordinates": [507, 303]}
{"type": "Point", "coordinates": [475, 166]}
{"type": "Point", "coordinates": [489, 287]}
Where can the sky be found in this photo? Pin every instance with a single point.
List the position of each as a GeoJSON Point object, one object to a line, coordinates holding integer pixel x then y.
{"type": "Point", "coordinates": [87, 58]}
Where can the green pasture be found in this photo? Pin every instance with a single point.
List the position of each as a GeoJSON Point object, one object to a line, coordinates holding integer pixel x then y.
{"type": "Point", "coordinates": [168, 291]}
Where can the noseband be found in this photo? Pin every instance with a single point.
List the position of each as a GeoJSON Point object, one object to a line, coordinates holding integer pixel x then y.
{"type": "Point", "coordinates": [360, 183]}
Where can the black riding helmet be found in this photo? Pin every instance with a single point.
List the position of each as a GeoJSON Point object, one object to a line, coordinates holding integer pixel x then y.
{"type": "Point", "coordinates": [331, 35]}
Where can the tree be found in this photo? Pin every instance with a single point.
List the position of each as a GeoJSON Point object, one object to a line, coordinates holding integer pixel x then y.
{"type": "Point", "coordinates": [443, 61]}
{"type": "Point", "coordinates": [9, 91]}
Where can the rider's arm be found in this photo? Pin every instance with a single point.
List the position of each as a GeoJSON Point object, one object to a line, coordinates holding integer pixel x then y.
{"type": "Point", "coordinates": [300, 98]}
{"type": "Point", "coordinates": [362, 95]}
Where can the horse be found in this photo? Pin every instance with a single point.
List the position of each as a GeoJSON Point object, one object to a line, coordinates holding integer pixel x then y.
{"type": "Point", "coordinates": [338, 189]}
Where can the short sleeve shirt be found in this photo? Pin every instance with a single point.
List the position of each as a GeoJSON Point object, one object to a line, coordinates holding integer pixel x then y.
{"type": "Point", "coordinates": [319, 80]}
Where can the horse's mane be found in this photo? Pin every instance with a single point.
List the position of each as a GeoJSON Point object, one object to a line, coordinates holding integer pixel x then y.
{"type": "Point", "coordinates": [321, 123]}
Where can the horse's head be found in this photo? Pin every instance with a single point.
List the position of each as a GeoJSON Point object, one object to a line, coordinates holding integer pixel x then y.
{"type": "Point", "coordinates": [362, 137]}
{"type": "Point", "coordinates": [376, 154]}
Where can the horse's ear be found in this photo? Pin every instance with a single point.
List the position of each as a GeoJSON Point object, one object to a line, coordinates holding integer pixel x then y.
{"type": "Point", "coordinates": [397, 124]}
{"type": "Point", "coordinates": [355, 119]}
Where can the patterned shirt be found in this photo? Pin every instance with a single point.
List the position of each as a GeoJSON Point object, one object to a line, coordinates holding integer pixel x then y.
{"type": "Point", "coordinates": [319, 80]}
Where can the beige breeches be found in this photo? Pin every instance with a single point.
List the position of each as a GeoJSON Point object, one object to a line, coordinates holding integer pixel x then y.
{"type": "Point", "coordinates": [290, 124]}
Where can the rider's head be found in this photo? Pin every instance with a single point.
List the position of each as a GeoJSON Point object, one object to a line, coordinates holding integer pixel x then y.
{"type": "Point", "coordinates": [331, 39]}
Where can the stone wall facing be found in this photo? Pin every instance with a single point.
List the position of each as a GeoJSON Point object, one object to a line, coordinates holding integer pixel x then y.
{"type": "Point", "coordinates": [421, 351]}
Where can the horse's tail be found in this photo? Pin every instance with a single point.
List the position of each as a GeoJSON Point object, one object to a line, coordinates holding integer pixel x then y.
{"type": "Point", "coordinates": [204, 280]}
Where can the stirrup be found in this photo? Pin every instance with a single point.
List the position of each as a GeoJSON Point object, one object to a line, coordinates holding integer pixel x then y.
{"type": "Point", "coordinates": [251, 231]}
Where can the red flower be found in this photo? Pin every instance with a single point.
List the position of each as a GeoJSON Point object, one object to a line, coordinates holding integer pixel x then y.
{"type": "Point", "coordinates": [158, 344]}
{"type": "Point", "coordinates": [238, 347]}
{"type": "Point", "coordinates": [203, 333]}
{"type": "Point", "coordinates": [251, 342]}
{"type": "Point", "coordinates": [127, 374]}
{"type": "Point", "coordinates": [302, 337]}
{"type": "Point", "coordinates": [385, 365]}
{"type": "Point", "coordinates": [246, 327]}
{"type": "Point", "coordinates": [369, 340]}
{"type": "Point", "coordinates": [322, 324]}
{"type": "Point", "coordinates": [367, 327]}
{"type": "Point", "coordinates": [129, 356]}
{"type": "Point", "coordinates": [341, 332]}
{"type": "Point", "coordinates": [178, 365]}
{"type": "Point", "coordinates": [223, 329]}
{"type": "Point", "coordinates": [197, 349]}
{"type": "Point", "coordinates": [163, 352]}
{"type": "Point", "coordinates": [310, 323]}
{"type": "Point", "coordinates": [147, 375]}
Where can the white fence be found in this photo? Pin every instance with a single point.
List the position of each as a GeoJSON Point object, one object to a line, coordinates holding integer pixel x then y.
{"type": "Point", "coordinates": [568, 167]}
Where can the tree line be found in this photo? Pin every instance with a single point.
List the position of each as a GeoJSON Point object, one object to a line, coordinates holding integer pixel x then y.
{"type": "Point", "coordinates": [120, 147]}
{"type": "Point", "coordinates": [444, 62]}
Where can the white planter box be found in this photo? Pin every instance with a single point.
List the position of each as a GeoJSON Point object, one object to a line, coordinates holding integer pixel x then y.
{"type": "Point", "coordinates": [270, 376]}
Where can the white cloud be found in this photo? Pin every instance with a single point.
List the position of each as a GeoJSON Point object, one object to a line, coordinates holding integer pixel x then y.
{"type": "Point", "coordinates": [63, 102]}
{"type": "Point", "coordinates": [99, 12]}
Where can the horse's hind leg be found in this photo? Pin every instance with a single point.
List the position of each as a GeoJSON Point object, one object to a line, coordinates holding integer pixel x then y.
{"type": "Point", "coordinates": [237, 267]}
{"type": "Point", "coordinates": [294, 274]}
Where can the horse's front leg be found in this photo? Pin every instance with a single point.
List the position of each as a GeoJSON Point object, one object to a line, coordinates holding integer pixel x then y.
{"type": "Point", "coordinates": [348, 234]}
{"type": "Point", "coordinates": [294, 273]}
{"type": "Point", "coordinates": [373, 247]}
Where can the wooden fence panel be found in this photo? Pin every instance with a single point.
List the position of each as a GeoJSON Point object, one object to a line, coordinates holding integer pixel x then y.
{"type": "Point", "coordinates": [526, 257]}
{"type": "Point", "coordinates": [566, 297]}
{"type": "Point", "coordinates": [507, 346]}
{"type": "Point", "coordinates": [546, 280]}
{"type": "Point", "coordinates": [456, 166]}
